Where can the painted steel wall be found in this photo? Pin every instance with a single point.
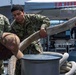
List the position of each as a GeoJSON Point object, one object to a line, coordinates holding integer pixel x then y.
{"type": "Point", "coordinates": [8, 2]}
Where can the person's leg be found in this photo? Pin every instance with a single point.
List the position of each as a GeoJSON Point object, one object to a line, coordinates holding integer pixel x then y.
{"type": "Point", "coordinates": [31, 49]}
{"type": "Point", "coordinates": [1, 67]}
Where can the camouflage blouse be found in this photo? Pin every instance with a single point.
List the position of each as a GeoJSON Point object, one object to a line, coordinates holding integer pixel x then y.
{"type": "Point", "coordinates": [32, 23]}
{"type": "Point", "coordinates": [4, 24]}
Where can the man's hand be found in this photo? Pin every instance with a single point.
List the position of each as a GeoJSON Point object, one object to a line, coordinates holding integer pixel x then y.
{"type": "Point", "coordinates": [43, 33]}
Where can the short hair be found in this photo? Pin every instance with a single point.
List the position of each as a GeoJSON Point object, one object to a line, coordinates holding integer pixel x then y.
{"type": "Point", "coordinates": [17, 7]}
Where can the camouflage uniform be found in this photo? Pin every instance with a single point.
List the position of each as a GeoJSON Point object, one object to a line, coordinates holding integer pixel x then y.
{"type": "Point", "coordinates": [32, 23]}
{"type": "Point", "coordinates": [4, 27]}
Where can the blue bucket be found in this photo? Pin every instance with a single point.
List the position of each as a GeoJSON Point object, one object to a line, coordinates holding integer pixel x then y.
{"type": "Point", "coordinates": [40, 64]}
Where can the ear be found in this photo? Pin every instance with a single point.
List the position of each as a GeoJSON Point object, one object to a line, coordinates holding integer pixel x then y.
{"type": "Point", "coordinates": [24, 12]}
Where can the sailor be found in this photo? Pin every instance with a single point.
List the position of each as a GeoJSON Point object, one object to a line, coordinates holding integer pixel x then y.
{"type": "Point", "coordinates": [26, 24]}
{"type": "Point", "coordinates": [9, 42]}
{"type": "Point", "coordinates": [4, 26]}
